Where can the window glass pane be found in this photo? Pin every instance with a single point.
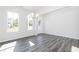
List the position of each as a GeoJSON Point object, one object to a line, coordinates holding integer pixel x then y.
{"type": "Point", "coordinates": [32, 20]}
{"type": "Point", "coordinates": [12, 22]}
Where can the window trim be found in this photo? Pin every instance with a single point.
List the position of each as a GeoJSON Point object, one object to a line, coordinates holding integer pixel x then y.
{"type": "Point", "coordinates": [8, 21]}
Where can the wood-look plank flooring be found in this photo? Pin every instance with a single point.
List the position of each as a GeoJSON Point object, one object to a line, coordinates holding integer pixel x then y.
{"type": "Point", "coordinates": [40, 43]}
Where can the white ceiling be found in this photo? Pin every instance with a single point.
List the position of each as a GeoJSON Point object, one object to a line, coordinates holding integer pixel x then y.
{"type": "Point", "coordinates": [33, 8]}
{"type": "Point", "coordinates": [42, 9]}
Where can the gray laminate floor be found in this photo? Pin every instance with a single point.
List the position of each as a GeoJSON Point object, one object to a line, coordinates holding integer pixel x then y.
{"type": "Point", "coordinates": [41, 43]}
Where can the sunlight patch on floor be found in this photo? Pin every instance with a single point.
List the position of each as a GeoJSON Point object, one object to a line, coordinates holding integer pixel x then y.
{"type": "Point", "coordinates": [8, 47]}
{"type": "Point", "coordinates": [74, 49]}
{"type": "Point", "coordinates": [31, 44]}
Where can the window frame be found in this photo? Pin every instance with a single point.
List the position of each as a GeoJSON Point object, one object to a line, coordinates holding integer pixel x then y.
{"type": "Point", "coordinates": [12, 19]}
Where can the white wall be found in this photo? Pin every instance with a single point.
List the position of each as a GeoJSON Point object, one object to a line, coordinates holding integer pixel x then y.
{"type": "Point", "coordinates": [47, 9]}
{"type": "Point", "coordinates": [63, 22]}
{"type": "Point", "coordinates": [23, 32]}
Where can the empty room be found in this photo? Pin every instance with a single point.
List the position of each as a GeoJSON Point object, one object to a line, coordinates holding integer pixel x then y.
{"type": "Point", "coordinates": [39, 28]}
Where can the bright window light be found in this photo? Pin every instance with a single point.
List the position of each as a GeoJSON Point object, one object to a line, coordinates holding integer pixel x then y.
{"type": "Point", "coordinates": [31, 20]}
{"type": "Point", "coordinates": [12, 21]}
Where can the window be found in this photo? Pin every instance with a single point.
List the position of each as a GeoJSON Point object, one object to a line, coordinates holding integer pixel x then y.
{"type": "Point", "coordinates": [30, 21]}
{"type": "Point", "coordinates": [12, 21]}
